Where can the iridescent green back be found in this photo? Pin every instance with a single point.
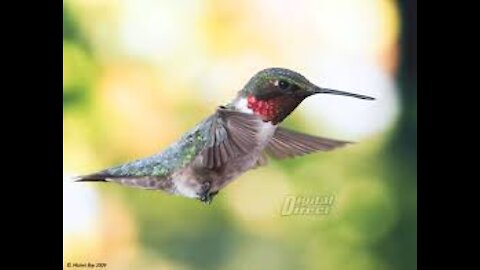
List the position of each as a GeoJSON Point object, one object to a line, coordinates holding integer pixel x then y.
{"type": "Point", "coordinates": [175, 157]}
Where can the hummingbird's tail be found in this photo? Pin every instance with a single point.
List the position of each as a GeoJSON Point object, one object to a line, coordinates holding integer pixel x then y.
{"type": "Point", "coordinates": [144, 182]}
{"type": "Point", "coordinates": [90, 178]}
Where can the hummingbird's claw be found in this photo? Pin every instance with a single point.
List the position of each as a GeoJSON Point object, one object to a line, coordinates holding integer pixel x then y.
{"type": "Point", "coordinates": [205, 195]}
{"type": "Point", "coordinates": [206, 199]}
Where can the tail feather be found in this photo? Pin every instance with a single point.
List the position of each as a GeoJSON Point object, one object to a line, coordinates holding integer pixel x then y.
{"type": "Point", "coordinates": [91, 178]}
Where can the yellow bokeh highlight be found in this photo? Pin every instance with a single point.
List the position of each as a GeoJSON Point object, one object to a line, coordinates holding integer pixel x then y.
{"type": "Point", "coordinates": [258, 199]}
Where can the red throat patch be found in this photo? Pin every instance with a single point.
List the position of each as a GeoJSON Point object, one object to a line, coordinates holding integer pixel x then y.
{"type": "Point", "coordinates": [267, 109]}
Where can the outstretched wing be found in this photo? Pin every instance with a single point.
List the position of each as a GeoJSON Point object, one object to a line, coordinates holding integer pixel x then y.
{"type": "Point", "coordinates": [231, 133]}
{"type": "Point", "coordinates": [287, 143]}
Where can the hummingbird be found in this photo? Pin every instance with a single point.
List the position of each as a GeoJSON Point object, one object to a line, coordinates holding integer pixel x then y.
{"type": "Point", "coordinates": [237, 137]}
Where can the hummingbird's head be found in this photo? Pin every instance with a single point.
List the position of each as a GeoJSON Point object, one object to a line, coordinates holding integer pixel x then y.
{"type": "Point", "coordinates": [274, 93]}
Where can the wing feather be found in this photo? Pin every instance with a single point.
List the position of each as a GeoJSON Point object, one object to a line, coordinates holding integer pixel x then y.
{"type": "Point", "coordinates": [287, 143]}
{"type": "Point", "coordinates": [232, 133]}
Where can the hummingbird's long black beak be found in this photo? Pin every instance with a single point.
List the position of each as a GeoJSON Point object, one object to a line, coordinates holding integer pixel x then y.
{"type": "Point", "coordinates": [319, 90]}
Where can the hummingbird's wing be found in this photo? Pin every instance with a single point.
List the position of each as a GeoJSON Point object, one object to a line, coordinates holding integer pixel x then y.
{"type": "Point", "coordinates": [232, 133]}
{"type": "Point", "coordinates": [287, 143]}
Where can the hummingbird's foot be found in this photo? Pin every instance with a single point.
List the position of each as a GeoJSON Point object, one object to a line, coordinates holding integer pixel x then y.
{"type": "Point", "coordinates": [206, 199]}
{"type": "Point", "coordinates": [206, 196]}
{"type": "Point", "coordinates": [205, 193]}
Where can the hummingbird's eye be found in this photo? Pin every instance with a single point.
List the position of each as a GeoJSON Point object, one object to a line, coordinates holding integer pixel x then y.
{"type": "Point", "coordinates": [283, 84]}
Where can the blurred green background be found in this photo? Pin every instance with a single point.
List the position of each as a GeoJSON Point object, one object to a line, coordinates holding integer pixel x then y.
{"type": "Point", "coordinates": [137, 74]}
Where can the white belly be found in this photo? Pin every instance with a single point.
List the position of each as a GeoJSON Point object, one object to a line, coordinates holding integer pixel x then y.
{"type": "Point", "coordinates": [186, 187]}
